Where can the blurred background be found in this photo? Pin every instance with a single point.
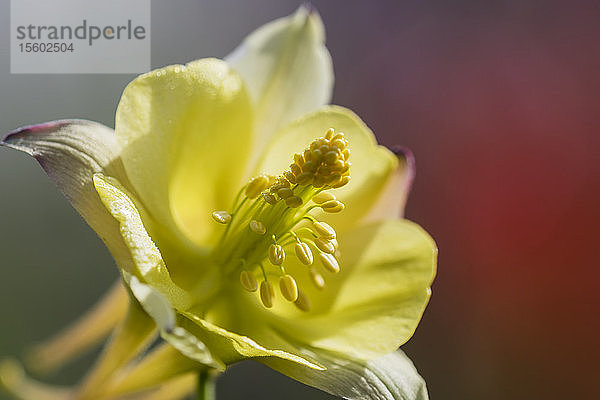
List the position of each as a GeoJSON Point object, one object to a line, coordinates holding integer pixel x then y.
{"type": "Point", "coordinates": [499, 103]}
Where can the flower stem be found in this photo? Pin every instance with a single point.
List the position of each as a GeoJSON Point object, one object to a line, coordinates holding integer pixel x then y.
{"type": "Point", "coordinates": [206, 385]}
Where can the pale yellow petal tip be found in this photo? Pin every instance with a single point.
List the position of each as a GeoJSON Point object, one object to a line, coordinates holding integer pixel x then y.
{"type": "Point", "coordinates": [11, 374]}
{"type": "Point", "coordinates": [14, 381]}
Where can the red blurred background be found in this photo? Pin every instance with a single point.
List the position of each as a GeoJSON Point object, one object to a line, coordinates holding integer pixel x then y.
{"type": "Point", "coordinates": [499, 101]}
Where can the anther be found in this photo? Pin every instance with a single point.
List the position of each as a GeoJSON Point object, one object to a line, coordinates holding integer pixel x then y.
{"type": "Point", "coordinates": [335, 243]}
{"type": "Point", "coordinates": [276, 254]}
{"type": "Point", "coordinates": [343, 181]}
{"type": "Point", "coordinates": [257, 227]}
{"type": "Point", "coordinates": [266, 294]}
{"type": "Point", "coordinates": [332, 206]}
{"type": "Point", "coordinates": [329, 133]}
{"type": "Point", "coordinates": [317, 279]}
{"type": "Point", "coordinates": [269, 198]}
{"type": "Point", "coordinates": [289, 176]}
{"type": "Point", "coordinates": [324, 230]}
{"type": "Point", "coordinates": [256, 186]}
{"type": "Point", "coordinates": [288, 287]}
{"type": "Point", "coordinates": [302, 302]}
{"type": "Point", "coordinates": [329, 262]}
{"type": "Point", "coordinates": [293, 201]}
{"type": "Point", "coordinates": [323, 197]}
{"type": "Point", "coordinates": [248, 281]}
{"type": "Point", "coordinates": [304, 254]}
{"type": "Point", "coordinates": [222, 217]}
{"type": "Point", "coordinates": [285, 192]}
{"type": "Point", "coordinates": [325, 245]}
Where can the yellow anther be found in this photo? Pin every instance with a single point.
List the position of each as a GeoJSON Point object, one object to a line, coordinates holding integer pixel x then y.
{"type": "Point", "coordinates": [295, 169]}
{"type": "Point", "coordinates": [222, 217]}
{"type": "Point", "coordinates": [293, 201]}
{"type": "Point", "coordinates": [304, 178]}
{"type": "Point", "coordinates": [329, 262]}
{"type": "Point", "coordinates": [324, 230]}
{"type": "Point", "coordinates": [285, 192]}
{"type": "Point", "coordinates": [331, 157]}
{"type": "Point", "coordinates": [304, 254]}
{"type": "Point", "coordinates": [256, 186]}
{"type": "Point", "coordinates": [323, 197]}
{"type": "Point", "coordinates": [335, 243]}
{"type": "Point", "coordinates": [280, 184]}
{"type": "Point", "coordinates": [257, 227]}
{"type": "Point", "coordinates": [343, 181]}
{"type": "Point", "coordinates": [317, 279]}
{"type": "Point", "coordinates": [288, 287]}
{"type": "Point", "coordinates": [325, 245]}
{"type": "Point", "coordinates": [323, 163]}
{"type": "Point", "coordinates": [269, 198]}
{"type": "Point", "coordinates": [266, 294]}
{"type": "Point", "coordinates": [276, 254]}
{"type": "Point", "coordinates": [332, 206]}
{"type": "Point", "coordinates": [248, 281]}
{"type": "Point", "coordinates": [289, 176]}
{"type": "Point", "coordinates": [302, 302]}
{"type": "Point", "coordinates": [340, 143]}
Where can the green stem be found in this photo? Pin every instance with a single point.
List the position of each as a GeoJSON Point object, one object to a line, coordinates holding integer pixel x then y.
{"type": "Point", "coordinates": [206, 385]}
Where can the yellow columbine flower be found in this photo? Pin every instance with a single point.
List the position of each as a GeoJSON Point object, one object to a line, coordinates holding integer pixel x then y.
{"type": "Point", "coordinates": [249, 220]}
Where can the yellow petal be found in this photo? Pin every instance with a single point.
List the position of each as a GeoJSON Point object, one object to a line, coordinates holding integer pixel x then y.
{"type": "Point", "coordinates": [373, 305]}
{"type": "Point", "coordinates": [149, 264]}
{"type": "Point", "coordinates": [14, 381]}
{"type": "Point", "coordinates": [261, 341]}
{"type": "Point", "coordinates": [87, 331]}
{"type": "Point", "coordinates": [372, 165]}
{"type": "Point", "coordinates": [185, 132]}
{"type": "Point", "coordinates": [392, 200]}
{"type": "Point", "coordinates": [287, 70]}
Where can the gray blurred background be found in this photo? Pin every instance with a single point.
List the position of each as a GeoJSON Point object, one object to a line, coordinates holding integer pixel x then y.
{"type": "Point", "coordinates": [499, 102]}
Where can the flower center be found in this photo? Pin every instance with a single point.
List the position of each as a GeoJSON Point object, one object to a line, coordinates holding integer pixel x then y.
{"type": "Point", "coordinates": [271, 217]}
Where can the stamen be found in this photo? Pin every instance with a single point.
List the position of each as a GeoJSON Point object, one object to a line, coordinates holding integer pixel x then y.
{"type": "Point", "coordinates": [303, 253]}
{"type": "Point", "coordinates": [325, 245]}
{"type": "Point", "coordinates": [266, 294]}
{"type": "Point", "coordinates": [324, 230]}
{"type": "Point", "coordinates": [335, 243]}
{"type": "Point", "coordinates": [256, 186]}
{"type": "Point", "coordinates": [316, 278]}
{"type": "Point", "coordinates": [279, 206]}
{"type": "Point", "coordinates": [293, 201]}
{"type": "Point", "coordinates": [276, 254]}
{"type": "Point", "coordinates": [332, 206]}
{"type": "Point", "coordinates": [269, 198]}
{"type": "Point", "coordinates": [288, 287]}
{"type": "Point", "coordinates": [303, 303]}
{"type": "Point", "coordinates": [329, 262]}
{"type": "Point", "coordinates": [257, 227]}
{"type": "Point", "coordinates": [222, 217]}
{"type": "Point", "coordinates": [322, 197]}
{"type": "Point", "coordinates": [248, 281]}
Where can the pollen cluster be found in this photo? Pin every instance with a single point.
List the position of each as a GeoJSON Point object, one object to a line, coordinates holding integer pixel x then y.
{"type": "Point", "coordinates": [271, 218]}
{"type": "Point", "coordinates": [324, 164]}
